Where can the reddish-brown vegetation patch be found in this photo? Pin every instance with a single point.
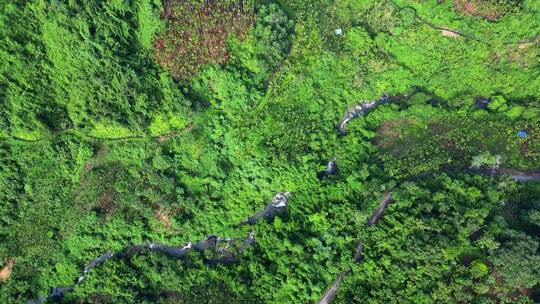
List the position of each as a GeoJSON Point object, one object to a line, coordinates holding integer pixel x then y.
{"type": "Point", "coordinates": [106, 204]}
{"type": "Point", "coordinates": [476, 8]}
{"type": "Point", "coordinates": [197, 32]}
{"type": "Point", "coordinates": [390, 135]}
{"type": "Point", "coordinates": [487, 9]}
{"type": "Point", "coordinates": [515, 294]}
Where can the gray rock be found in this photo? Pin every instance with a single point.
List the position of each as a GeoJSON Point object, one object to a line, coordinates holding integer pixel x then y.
{"type": "Point", "coordinates": [380, 210]}
{"type": "Point", "coordinates": [360, 110]}
{"type": "Point", "coordinates": [173, 251]}
{"type": "Point", "coordinates": [276, 207]}
{"type": "Point", "coordinates": [209, 242]}
{"type": "Point", "coordinates": [100, 260]}
{"type": "Point", "coordinates": [331, 169]}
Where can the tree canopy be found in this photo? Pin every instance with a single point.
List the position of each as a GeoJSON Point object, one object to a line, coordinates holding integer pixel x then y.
{"type": "Point", "coordinates": [126, 123]}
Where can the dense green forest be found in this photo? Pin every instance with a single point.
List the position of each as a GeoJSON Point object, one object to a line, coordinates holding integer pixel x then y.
{"type": "Point", "coordinates": [129, 124]}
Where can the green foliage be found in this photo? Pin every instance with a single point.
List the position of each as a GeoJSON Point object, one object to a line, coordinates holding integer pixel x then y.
{"type": "Point", "coordinates": [357, 41]}
{"type": "Point", "coordinates": [148, 23]}
{"type": "Point", "coordinates": [533, 217]}
{"type": "Point", "coordinates": [518, 261]}
{"type": "Point", "coordinates": [89, 53]}
{"type": "Point", "coordinates": [265, 47]}
{"type": "Point", "coordinates": [485, 159]}
{"type": "Point", "coordinates": [163, 124]}
{"type": "Point", "coordinates": [423, 246]}
{"type": "Point", "coordinates": [498, 104]}
{"type": "Point", "coordinates": [103, 130]}
{"type": "Point", "coordinates": [101, 148]}
{"type": "Point", "coordinates": [271, 33]}
{"type": "Point", "coordinates": [478, 269]}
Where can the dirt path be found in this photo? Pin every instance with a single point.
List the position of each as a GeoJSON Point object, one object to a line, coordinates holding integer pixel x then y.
{"type": "Point", "coordinates": [87, 137]}
{"type": "Point", "coordinates": [453, 32]}
{"type": "Point", "coordinates": [520, 176]}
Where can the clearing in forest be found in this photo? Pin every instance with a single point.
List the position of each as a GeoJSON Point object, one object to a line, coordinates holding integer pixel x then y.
{"type": "Point", "coordinates": [197, 32]}
{"type": "Point", "coordinates": [452, 142]}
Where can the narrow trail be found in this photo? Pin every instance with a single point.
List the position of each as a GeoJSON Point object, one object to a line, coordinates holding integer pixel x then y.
{"type": "Point", "coordinates": [331, 293]}
{"type": "Point", "coordinates": [520, 176]}
{"type": "Point", "coordinates": [90, 138]}
{"type": "Point", "coordinates": [454, 31]}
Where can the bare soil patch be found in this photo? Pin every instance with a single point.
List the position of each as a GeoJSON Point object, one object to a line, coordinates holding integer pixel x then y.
{"type": "Point", "coordinates": [448, 33]}
{"type": "Point", "coordinates": [106, 204]}
{"type": "Point", "coordinates": [514, 294]}
{"type": "Point", "coordinates": [5, 272]}
{"type": "Point", "coordinates": [167, 136]}
{"type": "Point", "coordinates": [390, 135]}
{"type": "Point", "coordinates": [163, 215]}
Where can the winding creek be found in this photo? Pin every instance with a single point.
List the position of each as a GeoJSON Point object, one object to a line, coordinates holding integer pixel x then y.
{"type": "Point", "coordinates": [213, 249]}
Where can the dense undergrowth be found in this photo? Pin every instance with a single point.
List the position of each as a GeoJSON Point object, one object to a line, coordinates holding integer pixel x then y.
{"type": "Point", "coordinates": [101, 147]}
